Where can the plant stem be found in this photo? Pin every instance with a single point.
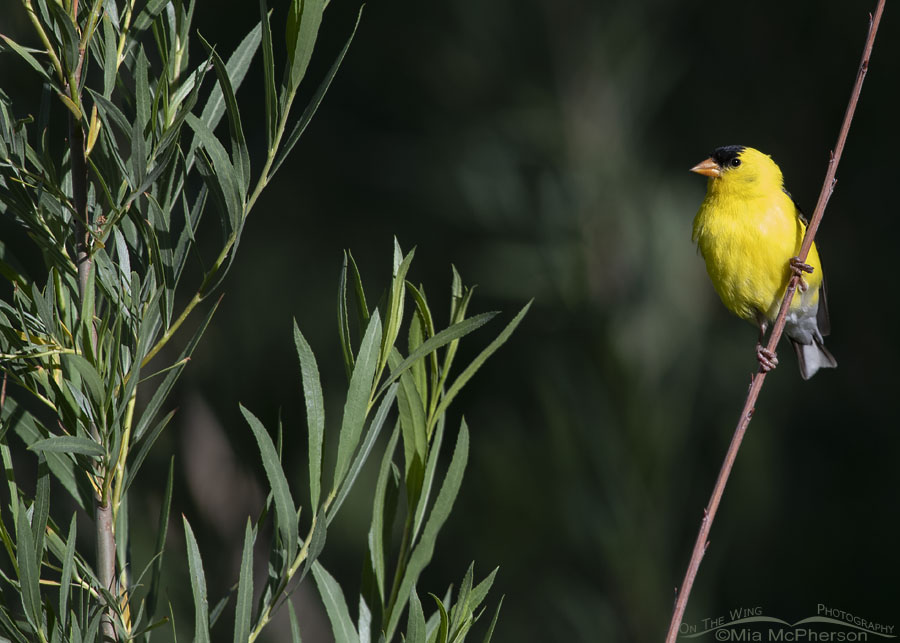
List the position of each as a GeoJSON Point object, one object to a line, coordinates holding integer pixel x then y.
{"type": "Point", "coordinates": [709, 512]}
{"type": "Point", "coordinates": [103, 516]}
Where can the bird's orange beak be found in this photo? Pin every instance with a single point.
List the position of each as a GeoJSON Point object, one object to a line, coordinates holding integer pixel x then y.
{"type": "Point", "coordinates": [707, 168]}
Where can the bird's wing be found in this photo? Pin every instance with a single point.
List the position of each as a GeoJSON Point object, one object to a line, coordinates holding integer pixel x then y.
{"type": "Point", "coordinates": [800, 214]}
{"type": "Point", "coordinates": [822, 319]}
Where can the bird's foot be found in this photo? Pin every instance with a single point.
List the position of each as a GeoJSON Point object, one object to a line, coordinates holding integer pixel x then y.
{"type": "Point", "coordinates": [798, 268]}
{"type": "Point", "coordinates": [766, 358]}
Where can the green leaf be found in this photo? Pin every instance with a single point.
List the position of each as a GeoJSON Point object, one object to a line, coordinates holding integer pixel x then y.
{"type": "Point", "coordinates": [423, 551]}
{"type": "Point", "coordinates": [224, 176]}
{"type": "Point", "coordinates": [476, 363]}
{"type": "Point", "coordinates": [444, 629]}
{"type": "Point", "coordinates": [415, 626]}
{"type": "Point", "coordinates": [315, 414]}
{"type": "Point", "coordinates": [67, 34]}
{"type": "Point", "coordinates": [344, 320]}
{"type": "Point", "coordinates": [154, 594]}
{"type": "Point", "coordinates": [29, 570]}
{"type": "Point", "coordinates": [295, 627]}
{"type": "Point", "coordinates": [314, 103]}
{"type": "Point", "coordinates": [395, 303]}
{"type": "Point", "coordinates": [413, 424]}
{"type": "Point", "coordinates": [461, 610]}
{"type": "Point", "coordinates": [480, 591]}
{"type": "Point", "coordinates": [68, 444]}
{"type": "Point", "coordinates": [362, 308]}
{"type": "Point", "coordinates": [146, 17]}
{"type": "Point", "coordinates": [365, 449]}
{"type": "Point", "coordinates": [359, 394]}
{"type": "Point", "coordinates": [304, 18]}
{"type": "Point", "coordinates": [240, 157]}
{"type": "Point", "coordinates": [66, 577]}
{"type": "Point", "coordinates": [41, 511]}
{"type": "Point", "coordinates": [285, 512]}
{"type": "Point", "coordinates": [427, 481]}
{"type": "Point", "coordinates": [62, 466]}
{"type": "Point", "coordinates": [25, 54]}
{"type": "Point", "coordinates": [382, 515]}
{"type": "Point", "coordinates": [243, 606]}
{"type": "Point", "coordinates": [364, 627]}
{"type": "Point", "coordinates": [490, 632]}
{"type": "Point", "coordinates": [268, 74]}
{"type": "Point", "coordinates": [198, 586]}
{"type": "Point", "coordinates": [109, 55]}
{"type": "Point", "coordinates": [88, 373]}
{"type": "Point", "coordinates": [335, 605]}
{"type": "Point", "coordinates": [235, 71]}
{"type": "Point", "coordinates": [142, 98]}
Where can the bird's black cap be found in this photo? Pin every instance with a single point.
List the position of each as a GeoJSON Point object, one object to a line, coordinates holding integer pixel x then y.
{"type": "Point", "coordinates": [723, 155]}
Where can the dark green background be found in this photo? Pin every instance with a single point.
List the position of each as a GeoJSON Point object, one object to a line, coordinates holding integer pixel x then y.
{"type": "Point", "coordinates": [542, 147]}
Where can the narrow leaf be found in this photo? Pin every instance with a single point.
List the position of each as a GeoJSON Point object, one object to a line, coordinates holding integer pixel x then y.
{"type": "Point", "coordinates": [285, 512]}
{"type": "Point", "coordinates": [357, 404]}
{"type": "Point", "coordinates": [295, 627]}
{"type": "Point", "coordinates": [444, 628]}
{"type": "Point", "coordinates": [381, 517]}
{"type": "Point", "coordinates": [364, 451]}
{"type": "Point", "coordinates": [88, 374]}
{"type": "Point", "coordinates": [225, 175]}
{"type": "Point", "coordinates": [304, 18]}
{"type": "Point", "coordinates": [244, 604]}
{"type": "Point", "coordinates": [335, 605]}
{"type": "Point", "coordinates": [162, 528]}
{"type": "Point", "coordinates": [423, 552]}
{"type": "Point", "coordinates": [26, 56]}
{"type": "Point", "coordinates": [268, 74]}
{"type": "Point", "coordinates": [240, 157]}
{"type": "Point", "coordinates": [68, 444]}
{"type": "Point", "coordinates": [415, 626]}
{"type": "Point", "coordinates": [41, 511]}
{"type": "Point", "coordinates": [490, 632]}
{"type": "Point", "coordinates": [198, 586]}
{"type": "Point", "coordinates": [29, 570]}
{"type": "Point", "coordinates": [66, 577]}
{"type": "Point", "coordinates": [235, 69]}
{"type": "Point", "coordinates": [315, 414]}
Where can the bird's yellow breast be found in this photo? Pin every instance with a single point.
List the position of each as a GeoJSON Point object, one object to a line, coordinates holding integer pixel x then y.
{"type": "Point", "coordinates": [746, 237]}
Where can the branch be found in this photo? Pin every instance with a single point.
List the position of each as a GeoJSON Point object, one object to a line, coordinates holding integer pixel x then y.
{"type": "Point", "coordinates": [709, 512]}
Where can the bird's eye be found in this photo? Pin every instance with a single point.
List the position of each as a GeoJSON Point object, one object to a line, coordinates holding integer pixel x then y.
{"type": "Point", "coordinates": [735, 162]}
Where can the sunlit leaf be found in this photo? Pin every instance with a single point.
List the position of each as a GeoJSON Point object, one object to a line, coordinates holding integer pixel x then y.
{"type": "Point", "coordinates": [285, 511]}
{"type": "Point", "coordinates": [198, 586]}
{"type": "Point", "coordinates": [315, 413]}
{"type": "Point", "coordinates": [244, 604]}
{"type": "Point", "coordinates": [358, 396]}
{"type": "Point", "coordinates": [335, 606]}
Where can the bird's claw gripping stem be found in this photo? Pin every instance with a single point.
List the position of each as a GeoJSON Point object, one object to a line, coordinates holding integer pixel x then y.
{"type": "Point", "coordinates": [766, 358]}
{"type": "Point", "coordinates": [798, 268]}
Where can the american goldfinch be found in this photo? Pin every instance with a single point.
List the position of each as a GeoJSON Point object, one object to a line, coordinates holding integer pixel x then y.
{"type": "Point", "coordinates": [749, 232]}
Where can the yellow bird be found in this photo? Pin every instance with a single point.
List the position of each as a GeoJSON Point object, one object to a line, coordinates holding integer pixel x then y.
{"type": "Point", "coordinates": [749, 232]}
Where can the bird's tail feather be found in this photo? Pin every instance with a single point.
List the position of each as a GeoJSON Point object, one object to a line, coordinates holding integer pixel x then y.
{"type": "Point", "coordinates": [813, 356]}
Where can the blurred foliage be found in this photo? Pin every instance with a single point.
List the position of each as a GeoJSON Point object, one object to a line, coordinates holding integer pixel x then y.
{"type": "Point", "coordinates": [543, 148]}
